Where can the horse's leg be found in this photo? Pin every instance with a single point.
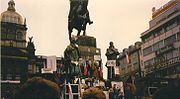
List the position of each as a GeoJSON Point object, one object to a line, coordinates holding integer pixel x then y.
{"type": "Point", "coordinates": [84, 32]}
{"type": "Point", "coordinates": [84, 29]}
{"type": "Point", "coordinates": [70, 36]}
{"type": "Point", "coordinates": [79, 31]}
{"type": "Point", "coordinates": [70, 31]}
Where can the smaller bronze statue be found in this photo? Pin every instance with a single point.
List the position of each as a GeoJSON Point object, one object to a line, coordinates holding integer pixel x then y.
{"type": "Point", "coordinates": [30, 38]}
{"type": "Point", "coordinates": [31, 48]}
{"type": "Point", "coordinates": [112, 52]}
{"type": "Point", "coordinates": [71, 57]}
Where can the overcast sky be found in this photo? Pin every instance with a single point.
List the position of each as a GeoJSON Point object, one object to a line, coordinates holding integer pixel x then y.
{"type": "Point", "coordinates": [120, 21]}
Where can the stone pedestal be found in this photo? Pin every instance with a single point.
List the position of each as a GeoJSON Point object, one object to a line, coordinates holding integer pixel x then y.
{"type": "Point", "coordinates": [87, 47]}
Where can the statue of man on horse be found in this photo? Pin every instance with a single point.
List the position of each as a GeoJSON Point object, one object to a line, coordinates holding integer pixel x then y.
{"type": "Point", "coordinates": [78, 16]}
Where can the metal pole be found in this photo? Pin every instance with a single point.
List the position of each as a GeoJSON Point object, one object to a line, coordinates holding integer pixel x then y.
{"type": "Point", "coordinates": [111, 71]}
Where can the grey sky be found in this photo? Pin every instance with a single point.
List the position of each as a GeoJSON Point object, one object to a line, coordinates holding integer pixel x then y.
{"type": "Point", "coordinates": [120, 21]}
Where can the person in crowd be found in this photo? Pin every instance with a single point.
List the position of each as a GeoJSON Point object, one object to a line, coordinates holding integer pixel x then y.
{"type": "Point", "coordinates": [38, 88]}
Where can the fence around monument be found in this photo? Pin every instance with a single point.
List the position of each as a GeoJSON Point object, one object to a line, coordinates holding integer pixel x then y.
{"type": "Point", "coordinates": [75, 91]}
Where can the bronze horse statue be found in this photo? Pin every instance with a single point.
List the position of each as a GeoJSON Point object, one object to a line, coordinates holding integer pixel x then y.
{"type": "Point", "coordinates": [78, 18]}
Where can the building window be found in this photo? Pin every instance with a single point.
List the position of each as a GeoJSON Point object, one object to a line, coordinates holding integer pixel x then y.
{"type": "Point", "coordinates": [19, 44]}
{"type": "Point", "coordinates": [158, 32]}
{"type": "Point", "coordinates": [178, 36]}
{"type": "Point", "coordinates": [169, 55]}
{"type": "Point", "coordinates": [9, 76]}
{"type": "Point", "coordinates": [147, 51]}
{"type": "Point", "coordinates": [171, 25]}
{"type": "Point", "coordinates": [37, 69]}
{"type": "Point", "coordinates": [161, 44]}
{"type": "Point", "coordinates": [17, 77]}
{"type": "Point", "coordinates": [170, 40]}
{"type": "Point", "coordinates": [175, 52]}
{"type": "Point", "coordinates": [149, 62]}
{"type": "Point", "coordinates": [29, 67]}
{"type": "Point", "coordinates": [3, 33]}
{"type": "Point", "coordinates": [19, 36]}
{"type": "Point", "coordinates": [156, 46]}
{"type": "Point", "coordinates": [10, 36]}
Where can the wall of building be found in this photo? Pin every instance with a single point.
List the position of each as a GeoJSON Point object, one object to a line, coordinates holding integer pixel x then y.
{"type": "Point", "coordinates": [160, 41]}
{"type": "Point", "coordinates": [129, 61]}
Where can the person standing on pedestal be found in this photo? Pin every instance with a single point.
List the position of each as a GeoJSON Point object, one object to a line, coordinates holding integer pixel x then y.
{"type": "Point", "coordinates": [71, 58]}
{"type": "Point", "coordinates": [111, 54]}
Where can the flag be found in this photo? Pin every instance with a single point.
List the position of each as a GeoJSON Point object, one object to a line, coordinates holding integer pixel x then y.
{"type": "Point", "coordinates": [116, 68]}
{"type": "Point", "coordinates": [85, 69]}
{"type": "Point", "coordinates": [101, 72]}
{"type": "Point", "coordinates": [70, 91]}
{"type": "Point", "coordinates": [128, 58]}
{"type": "Point", "coordinates": [80, 87]}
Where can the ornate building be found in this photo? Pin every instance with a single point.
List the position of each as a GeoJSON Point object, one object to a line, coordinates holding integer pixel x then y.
{"type": "Point", "coordinates": [13, 48]}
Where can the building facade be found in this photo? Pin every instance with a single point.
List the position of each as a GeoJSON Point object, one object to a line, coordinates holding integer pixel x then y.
{"type": "Point", "coordinates": [161, 42]}
{"type": "Point", "coordinates": [53, 63]}
{"type": "Point", "coordinates": [160, 60]}
{"type": "Point", "coordinates": [129, 62]}
{"type": "Point", "coordinates": [130, 68]}
{"type": "Point", "coordinates": [13, 50]}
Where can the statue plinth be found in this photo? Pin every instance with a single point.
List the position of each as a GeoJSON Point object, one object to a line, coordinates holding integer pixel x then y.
{"type": "Point", "coordinates": [87, 47]}
{"type": "Point", "coordinates": [86, 41]}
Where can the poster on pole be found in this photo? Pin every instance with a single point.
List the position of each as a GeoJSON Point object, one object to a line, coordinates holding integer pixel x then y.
{"type": "Point", "coordinates": [111, 63]}
{"type": "Point", "coordinates": [116, 68]}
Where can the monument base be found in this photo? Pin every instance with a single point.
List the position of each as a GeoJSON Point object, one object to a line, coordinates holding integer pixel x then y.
{"type": "Point", "coordinates": [87, 47]}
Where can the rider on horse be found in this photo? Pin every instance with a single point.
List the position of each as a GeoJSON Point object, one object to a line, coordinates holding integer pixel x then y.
{"type": "Point", "coordinates": [79, 13]}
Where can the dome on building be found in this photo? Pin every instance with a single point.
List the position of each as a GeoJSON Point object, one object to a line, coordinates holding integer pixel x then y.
{"type": "Point", "coordinates": [11, 15]}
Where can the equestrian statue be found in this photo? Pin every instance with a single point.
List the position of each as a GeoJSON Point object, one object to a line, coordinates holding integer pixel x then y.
{"type": "Point", "coordinates": [78, 17]}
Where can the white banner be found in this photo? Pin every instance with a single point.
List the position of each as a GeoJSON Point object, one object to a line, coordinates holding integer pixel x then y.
{"type": "Point", "coordinates": [51, 62]}
{"type": "Point", "coordinates": [116, 70]}
{"type": "Point", "coordinates": [111, 63]}
{"type": "Point", "coordinates": [97, 57]}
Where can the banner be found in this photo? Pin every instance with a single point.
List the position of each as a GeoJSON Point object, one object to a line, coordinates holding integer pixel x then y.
{"type": "Point", "coordinates": [97, 57]}
{"type": "Point", "coordinates": [116, 68]}
{"type": "Point", "coordinates": [111, 63]}
{"type": "Point", "coordinates": [51, 62]}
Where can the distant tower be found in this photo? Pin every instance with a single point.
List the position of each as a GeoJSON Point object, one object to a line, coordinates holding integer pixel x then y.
{"type": "Point", "coordinates": [13, 46]}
